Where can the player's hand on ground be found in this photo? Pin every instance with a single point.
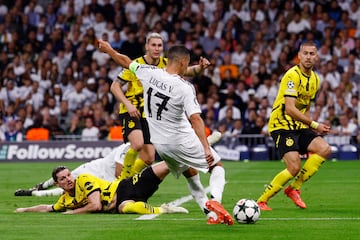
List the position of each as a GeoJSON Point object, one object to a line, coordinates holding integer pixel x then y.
{"type": "Point", "coordinates": [19, 210]}
{"type": "Point", "coordinates": [68, 212]}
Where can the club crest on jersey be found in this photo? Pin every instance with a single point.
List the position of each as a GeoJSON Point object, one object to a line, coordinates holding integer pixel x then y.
{"type": "Point", "coordinates": [88, 186]}
{"type": "Point", "coordinates": [131, 124]}
{"type": "Point", "coordinates": [290, 84]}
{"type": "Point", "coordinates": [289, 142]}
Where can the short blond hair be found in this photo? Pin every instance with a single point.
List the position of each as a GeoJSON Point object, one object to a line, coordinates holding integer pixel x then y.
{"type": "Point", "coordinates": [153, 35]}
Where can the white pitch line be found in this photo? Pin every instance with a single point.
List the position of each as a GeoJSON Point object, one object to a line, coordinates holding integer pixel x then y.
{"type": "Point", "coordinates": [263, 219]}
{"type": "Point", "coordinates": [176, 202]}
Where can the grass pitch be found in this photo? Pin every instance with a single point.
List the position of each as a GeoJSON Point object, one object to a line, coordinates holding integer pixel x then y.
{"type": "Point", "coordinates": [332, 198]}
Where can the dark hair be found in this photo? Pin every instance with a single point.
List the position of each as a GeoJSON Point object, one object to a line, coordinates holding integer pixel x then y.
{"type": "Point", "coordinates": [178, 51]}
{"type": "Point", "coordinates": [56, 170]}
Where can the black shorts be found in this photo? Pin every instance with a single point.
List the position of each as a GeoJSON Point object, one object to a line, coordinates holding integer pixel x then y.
{"type": "Point", "coordinates": [292, 140]}
{"type": "Point", "coordinates": [140, 187]}
{"type": "Point", "coordinates": [129, 124]}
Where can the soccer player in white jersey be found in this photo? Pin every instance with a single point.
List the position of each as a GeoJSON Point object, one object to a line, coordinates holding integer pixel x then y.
{"type": "Point", "coordinates": [107, 168]}
{"type": "Point", "coordinates": [173, 113]}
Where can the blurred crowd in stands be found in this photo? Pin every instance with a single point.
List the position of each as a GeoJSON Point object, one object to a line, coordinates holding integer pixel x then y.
{"type": "Point", "coordinates": [54, 82]}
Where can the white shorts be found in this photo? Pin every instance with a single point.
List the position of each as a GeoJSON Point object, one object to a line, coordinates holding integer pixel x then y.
{"type": "Point", "coordinates": [180, 157]}
{"type": "Point", "coordinates": [94, 169]}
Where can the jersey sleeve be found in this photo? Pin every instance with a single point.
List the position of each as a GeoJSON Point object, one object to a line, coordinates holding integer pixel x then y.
{"type": "Point", "coordinates": [290, 84]}
{"type": "Point", "coordinates": [87, 184]}
{"type": "Point", "coordinates": [60, 206]}
{"type": "Point", "coordinates": [190, 102]}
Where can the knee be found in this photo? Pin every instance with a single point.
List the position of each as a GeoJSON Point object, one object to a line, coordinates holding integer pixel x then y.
{"type": "Point", "coordinates": [325, 151]}
{"type": "Point", "coordinates": [137, 145]}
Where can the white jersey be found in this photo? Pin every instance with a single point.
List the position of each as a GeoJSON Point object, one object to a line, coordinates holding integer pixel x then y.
{"type": "Point", "coordinates": [104, 167]}
{"type": "Point", "coordinates": [169, 101]}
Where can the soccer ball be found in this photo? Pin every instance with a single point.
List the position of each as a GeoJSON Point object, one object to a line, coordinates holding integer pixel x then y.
{"type": "Point", "coordinates": [246, 211]}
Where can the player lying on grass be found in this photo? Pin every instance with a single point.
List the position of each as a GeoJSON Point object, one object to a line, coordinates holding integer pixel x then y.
{"type": "Point", "coordinates": [90, 194]}
{"type": "Point", "coordinates": [107, 168]}
{"type": "Point", "coordinates": [87, 193]}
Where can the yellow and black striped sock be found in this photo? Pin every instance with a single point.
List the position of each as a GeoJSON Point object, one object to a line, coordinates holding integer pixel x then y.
{"type": "Point", "coordinates": [129, 160]}
{"type": "Point", "coordinates": [139, 165]}
{"type": "Point", "coordinates": [310, 167]}
{"type": "Point", "coordinates": [140, 208]}
{"type": "Point", "coordinates": [276, 185]}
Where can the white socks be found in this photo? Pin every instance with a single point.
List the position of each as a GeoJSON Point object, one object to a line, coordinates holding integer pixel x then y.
{"type": "Point", "coordinates": [217, 183]}
{"type": "Point", "coordinates": [48, 183]}
{"type": "Point", "coordinates": [46, 193]}
{"type": "Point", "coordinates": [197, 190]}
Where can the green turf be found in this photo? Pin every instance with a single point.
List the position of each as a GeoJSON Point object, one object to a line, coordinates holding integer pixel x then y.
{"type": "Point", "coordinates": [332, 197]}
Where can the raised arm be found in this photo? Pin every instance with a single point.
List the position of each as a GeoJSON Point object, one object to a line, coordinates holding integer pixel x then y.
{"type": "Point", "coordinates": [192, 71]}
{"type": "Point", "coordinates": [119, 58]}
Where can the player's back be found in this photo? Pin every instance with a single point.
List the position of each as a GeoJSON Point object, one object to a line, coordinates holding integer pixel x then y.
{"type": "Point", "coordinates": [167, 98]}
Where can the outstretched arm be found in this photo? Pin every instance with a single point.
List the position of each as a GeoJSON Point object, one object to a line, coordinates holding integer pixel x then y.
{"type": "Point", "coordinates": [119, 58]}
{"type": "Point", "coordinates": [93, 205]}
{"type": "Point", "coordinates": [37, 208]}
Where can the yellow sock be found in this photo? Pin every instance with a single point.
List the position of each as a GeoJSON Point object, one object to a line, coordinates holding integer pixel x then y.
{"type": "Point", "coordinates": [129, 160]}
{"type": "Point", "coordinates": [310, 167]}
{"type": "Point", "coordinates": [139, 165]}
{"type": "Point", "coordinates": [276, 185]}
{"type": "Point", "coordinates": [140, 208]}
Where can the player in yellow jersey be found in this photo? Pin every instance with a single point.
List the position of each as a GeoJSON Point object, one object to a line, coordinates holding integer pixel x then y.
{"type": "Point", "coordinates": [293, 130]}
{"type": "Point", "coordinates": [135, 127]}
{"type": "Point", "coordinates": [87, 193]}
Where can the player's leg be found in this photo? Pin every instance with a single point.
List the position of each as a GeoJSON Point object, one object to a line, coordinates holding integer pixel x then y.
{"type": "Point", "coordinates": [145, 159]}
{"type": "Point", "coordinates": [293, 163]}
{"type": "Point", "coordinates": [48, 192]}
{"type": "Point", "coordinates": [145, 185]}
{"type": "Point", "coordinates": [217, 181]}
{"type": "Point", "coordinates": [45, 185]}
{"type": "Point", "coordinates": [214, 137]}
{"type": "Point", "coordinates": [320, 150]}
{"type": "Point", "coordinates": [147, 152]}
{"type": "Point", "coordinates": [140, 207]}
{"type": "Point", "coordinates": [196, 188]}
{"type": "Point", "coordinates": [135, 137]}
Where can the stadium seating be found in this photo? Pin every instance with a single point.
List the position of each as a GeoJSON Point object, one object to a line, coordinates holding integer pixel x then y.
{"type": "Point", "coordinates": [227, 153]}
{"type": "Point", "coordinates": [334, 151]}
{"type": "Point", "coordinates": [244, 151]}
{"type": "Point", "coordinates": [259, 152]}
{"type": "Point", "coordinates": [348, 152]}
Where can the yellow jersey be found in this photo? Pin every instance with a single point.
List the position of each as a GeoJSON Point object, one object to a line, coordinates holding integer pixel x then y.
{"type": "Point", "coordinates": [300, 86]}
{"type": "Point", "coordinates": [86, 184]}
{"type": "Point", "coordinates": [134, 92]}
